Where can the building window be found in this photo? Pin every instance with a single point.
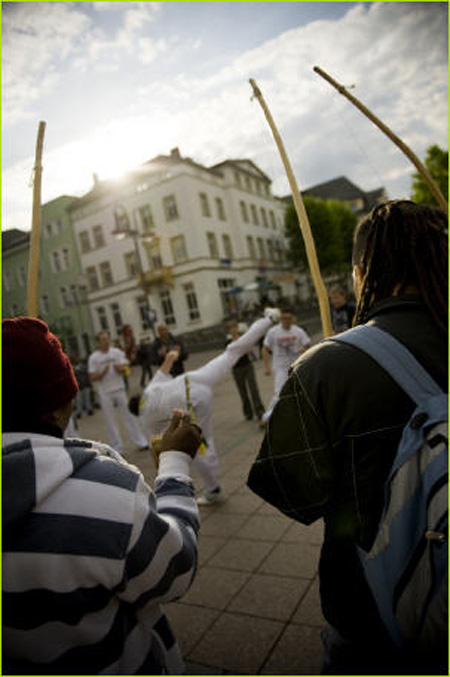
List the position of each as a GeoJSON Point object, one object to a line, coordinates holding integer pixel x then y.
{"type": "Point", "coordinates": [106, 274]}
{"type": "Point", "coordinates": [56, 262]}
{"type": "Point", "coordinates": [191, 301]}
{"type": "Point", "coordinates": [204, 204]}
{"type": "Point", "coordinates": [102, 319]}
{"type": "Point", "coordinates": [48, 229]}
{"type": "Point", "coordinates": [228, 300]}
{"type": "Point", "coordinates": [258, 186]}
{"type": "Point", "coordinates": [251, 248]}
{"type": "Point", "coordinates": [272, 220]}
{"type": "Point", "coordinates": [99, 239]}
{"type": "Point", "coordinates": [167, 307]}
{"type": "Point", "coordinates": [121, 219]}
{"type": "Point", "coordinates": [66, 258]}
{"type": "Point", "coordinates": [65, 297]}
{"type": "Point", "coordinates": [212, 245]}
{"type": "Point", "coordinates": [92, 278]}
{"type": "Point", "coordinates": [131, 264]}
{"type": "Point", "coordinates": [244, 212]}
{"type": "Point", "coordinates": [117, 316]}
{"type": "Point", "coordinates": [228, 249]}
{"type": "Point", "coordinates": [85, 243]}
{"type": "Point", "coordinates": [142, 304]}
{"type": "Point", "coordinates": [154, 254]}
{"type": "Point", "coordinates": [264, 218]}
{"type": "Point", "coordinates": [254, 215]}
{"type": "Point", "coordinates": [220, 209]}
{"type": "Point", "coordinates": [261, 249]}
{"type": "Point", "coordinates": [179, 252]}
{"type": "Point", "coordinates": [146, 216]}
{"type": "Point", "coordinates": [22, 276]}
{"type": "Point", "coordinates": [248, 183]}
{"type": "Point", "coordinates": [170, 208]}
{"type": "Point", "coordinates": [266, 188]}
{"type": "Point", "coordinates": [237, 178]}
{"type": "Point", "coordinates": [7, 280]}
{"type": "Point", "coordinates": [270, 250]}
{"type": "Point", "coordinates": [45, 305]}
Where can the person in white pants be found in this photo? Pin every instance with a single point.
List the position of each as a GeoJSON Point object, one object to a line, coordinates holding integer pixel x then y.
{"type": "Point", "coordinates": [284, 343]}
{"type": "Point", "coordinates": [193, 393]}
{"type": "Point", "coordinates": [106, 367]}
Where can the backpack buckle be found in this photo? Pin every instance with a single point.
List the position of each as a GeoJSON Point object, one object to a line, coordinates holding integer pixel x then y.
{"type": "Point", "coordinates": [437, 536]}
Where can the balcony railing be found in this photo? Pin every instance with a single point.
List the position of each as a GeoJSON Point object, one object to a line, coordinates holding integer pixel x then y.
{"type": "Point", "coordinates": [159, 276]}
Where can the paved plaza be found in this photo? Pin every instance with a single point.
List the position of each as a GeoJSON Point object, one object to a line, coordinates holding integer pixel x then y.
{"type": "Point", "coordinates": [254, 605]}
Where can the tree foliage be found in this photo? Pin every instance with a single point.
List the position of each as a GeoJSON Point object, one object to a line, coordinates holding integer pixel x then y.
{"type": "Point", "coordinates": [332, 225]}
{"type": "Point", "coordinates": [436, 162]}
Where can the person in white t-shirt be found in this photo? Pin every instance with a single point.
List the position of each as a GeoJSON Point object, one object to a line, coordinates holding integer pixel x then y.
{"type": "Point", "coordinates": [281, 346]}
{"type": "Point", "coordinates": [193, 392]}
{"type": "Point", "coordinates": [106, 368]}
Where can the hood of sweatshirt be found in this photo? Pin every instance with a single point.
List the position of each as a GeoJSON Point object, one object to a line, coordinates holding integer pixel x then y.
{"type": "Point", "coordinates": [34, 466]}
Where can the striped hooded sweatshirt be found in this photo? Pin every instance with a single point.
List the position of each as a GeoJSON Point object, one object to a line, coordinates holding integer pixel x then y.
{"type": "Point", "coordinates": [89, 554]}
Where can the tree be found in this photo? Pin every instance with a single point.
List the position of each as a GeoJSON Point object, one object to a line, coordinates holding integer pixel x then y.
{"type": "Point", "coordinates": [332, 226]}
{"type": "Point", "coordinates": [436, 162]}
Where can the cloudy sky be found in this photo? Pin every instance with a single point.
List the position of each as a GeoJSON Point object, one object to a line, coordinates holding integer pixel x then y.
{"type": "Point", "coordinates": [118, 83]}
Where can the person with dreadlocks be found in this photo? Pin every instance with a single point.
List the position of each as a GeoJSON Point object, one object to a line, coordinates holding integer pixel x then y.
{"type": "Point", "coordinates": [334, 432]}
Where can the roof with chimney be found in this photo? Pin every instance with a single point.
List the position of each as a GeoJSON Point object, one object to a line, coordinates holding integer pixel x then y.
{"type": "Point", "coordinates": [344, 190]}
{"type": "Point", "coordinates": [156, 165]}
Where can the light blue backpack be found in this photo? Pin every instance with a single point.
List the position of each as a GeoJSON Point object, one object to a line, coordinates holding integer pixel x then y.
{"type": "Point", "coordinates": [407, 566]}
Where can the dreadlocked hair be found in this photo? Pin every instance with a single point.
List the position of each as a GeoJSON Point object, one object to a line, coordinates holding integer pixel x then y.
{"type": "Point", "coordinates": [398, 245]}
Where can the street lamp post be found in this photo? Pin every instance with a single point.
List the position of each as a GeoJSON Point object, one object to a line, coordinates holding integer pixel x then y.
{"type": "Point", "coordinates": [122, 230]}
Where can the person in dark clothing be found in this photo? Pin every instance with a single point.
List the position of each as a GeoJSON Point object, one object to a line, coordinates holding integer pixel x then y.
{"type": "Point", "coordinates": [245, 378]}
{"type": "Point", "coordinates": [83, 400]}
{"type": "Point", "coordinates": [164, 343]}
{"type": "Point", "coordinates": [342, 311]}
{"type": "Point", "coordinates": [333, 435]}
{"type": "Point", "coordinates": [144, 358]}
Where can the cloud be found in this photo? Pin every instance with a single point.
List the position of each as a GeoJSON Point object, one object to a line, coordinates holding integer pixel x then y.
{"type": "Point", "coordinates": [154, 7]}
{"type": "Point", "coordinates": [45, 42]}
{"type": "Point", "coordinates": [395, 53]}
{"type": "Point", "coordinates": [397, 56]}
{"type": "Point", "coordinates": [35, 36]}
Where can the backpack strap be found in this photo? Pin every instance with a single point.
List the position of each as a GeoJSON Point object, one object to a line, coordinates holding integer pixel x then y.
{"type": "Point", "coordinates": [395, 359]}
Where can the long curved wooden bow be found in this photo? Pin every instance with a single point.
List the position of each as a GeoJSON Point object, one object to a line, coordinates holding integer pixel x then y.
{"type": "Point", "coordinates": [389, 133]}
{"type": "Point", "coordinates": [35, 240]}
{"type": "Point", "coordinates": [305, 228]}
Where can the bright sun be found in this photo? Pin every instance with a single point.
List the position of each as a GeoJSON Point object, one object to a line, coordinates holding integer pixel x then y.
{"type": "Point", "coordinates": [114, 152]}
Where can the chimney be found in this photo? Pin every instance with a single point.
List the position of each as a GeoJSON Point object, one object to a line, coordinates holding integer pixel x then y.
{"type": "Point", "coordinates": [175, 154]}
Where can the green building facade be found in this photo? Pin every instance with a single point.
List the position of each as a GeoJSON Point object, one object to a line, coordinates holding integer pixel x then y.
{"type": "Point", "coordinates": [62, 288]}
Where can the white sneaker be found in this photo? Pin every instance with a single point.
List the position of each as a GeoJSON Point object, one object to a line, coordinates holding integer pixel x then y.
{"type": "Point", "coordinates": [210, 497]}
{"type": "Point", "coordinates": [273, 314]}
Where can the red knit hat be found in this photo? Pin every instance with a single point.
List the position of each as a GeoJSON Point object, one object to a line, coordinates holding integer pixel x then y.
{"type": "Point", "coordinates": [37, 376]}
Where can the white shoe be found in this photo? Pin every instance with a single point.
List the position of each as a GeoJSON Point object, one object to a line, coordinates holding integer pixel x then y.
{"type": "Point", "coordinates": [210, 497]}
{"type": "Point", "coordinates": [273, 314]}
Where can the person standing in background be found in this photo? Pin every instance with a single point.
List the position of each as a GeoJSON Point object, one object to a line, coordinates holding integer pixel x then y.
{"type": "Point", "coordinates": [245, 377]}
{"type": "Point", "coordinates": [106, 367]}
{"type": "Point", "coordinates": [281, 346]}
{"type": "Point", "coordinates": [164, 343]}
{"type": "Point", "coordinates": [342, 311]}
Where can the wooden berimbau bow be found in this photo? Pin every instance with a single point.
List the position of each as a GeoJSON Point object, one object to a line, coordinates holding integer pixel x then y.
{"type": "Point", "coordinates": [303, 220]}
{"type": "Point", "coordinates": [35, 240]}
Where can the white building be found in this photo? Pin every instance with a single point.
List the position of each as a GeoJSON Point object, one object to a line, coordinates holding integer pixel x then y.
{"type": "Point", "coordinates": [195, 232]}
